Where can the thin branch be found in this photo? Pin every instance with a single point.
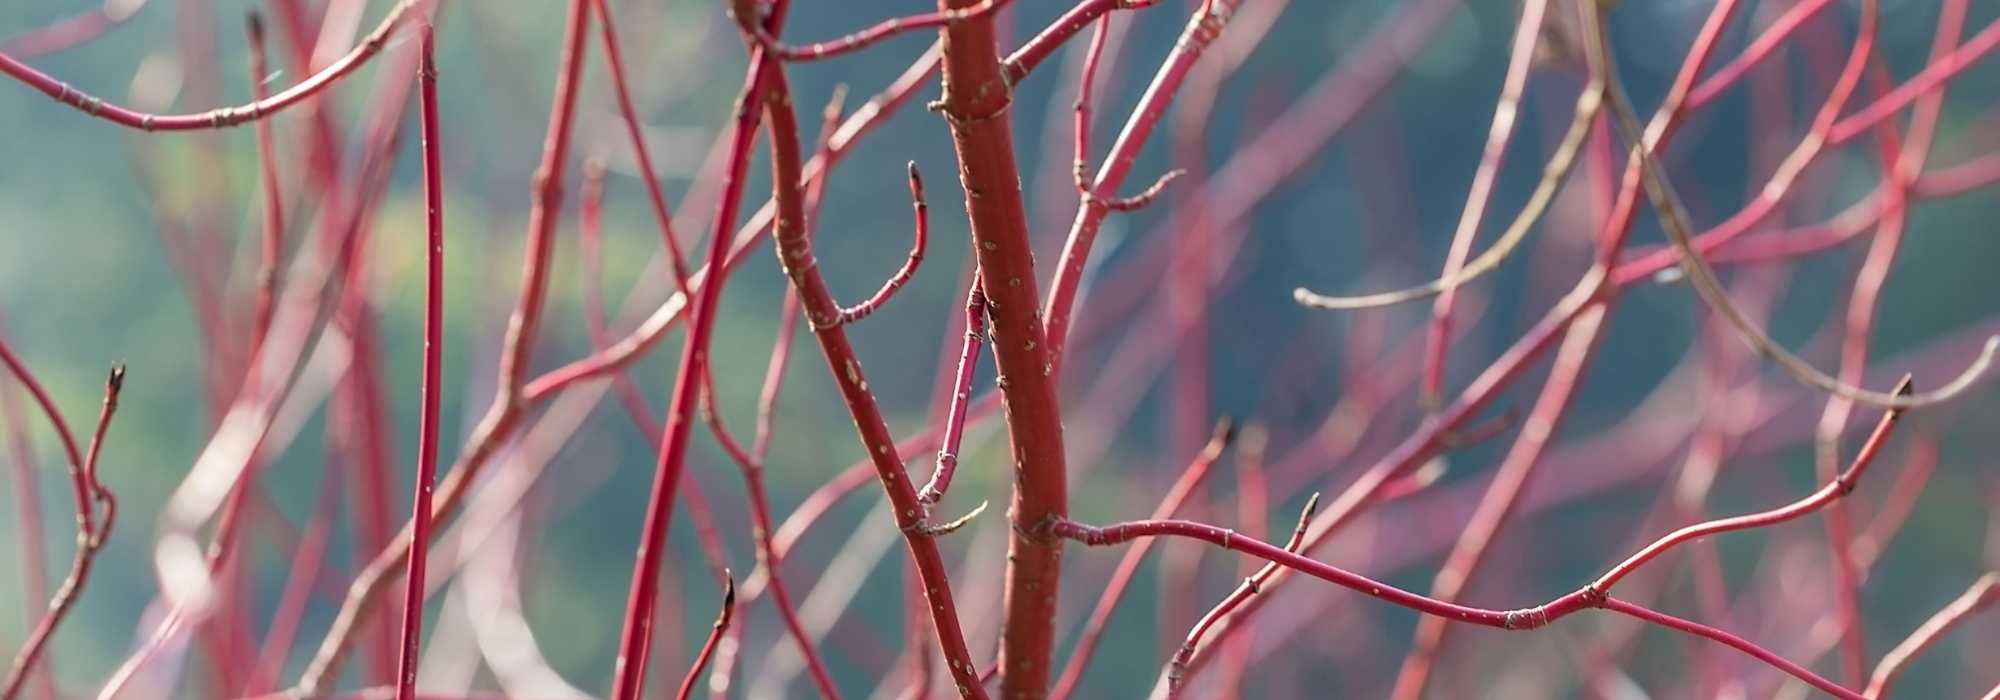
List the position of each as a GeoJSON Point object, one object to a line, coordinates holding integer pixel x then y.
{"type": "Point", "coordinates": [869, 37]}
{"type": "Point", "coordinates": [1837, 489]}
{"type": "Point", "coordinates": [1984, 593]}
{"type": "Point", "coordinates": [1176, 672]}
{"type": "Point", "coordinates": [796, 258]}
{"type": "Point", "coordinates": [219, 117]}
{"type": "Point", "coordinates": [752, 467]}
{"type": "Point", "coordinates": [635, 641]}
{"type": "Point", "coordinates": [722, 620]}
{"type": "Point", "coordinates": [615, 63]}
{"type": "Point", "coordinates": [1045, 43]}
{"type": "Point", "coordinates": [89, 538]}
{"type": "Point", "coordinates": [1128, 565]}
{"type": "Point", "coordinates": [961, 395]}
{"type": "Point", "coordinates": [508, 406]}
{"type": "Point", "coordinates": [1085, 87]}
{"type": "Point", "coordinates": [1554, 175]}
{"type": "Point", "coordinates": [427, 447]}
{"type": "Point", "coordinates": [1496, 506]}
{"type": "Point", "coordinates": [1736, 642]}
{"type": "Point", "coordinates": [1674, 217]}
{"type": "Point", "coordinates": [909, 268]}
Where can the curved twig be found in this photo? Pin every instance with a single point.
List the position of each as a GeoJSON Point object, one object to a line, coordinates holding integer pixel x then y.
{"type": "Point", "coordinates": [869, 37]}
{"type": "Point", "coordinates": [722, 619]}
{"type": "Point", "coordinates": [222, 116]}
{"type": "Point", "coordinates": [1983, 593]}
{"type": "Point", "coordinates": [1554, 174]}
{"type": "Point", "coordinates": [920, 239]}
{"type": "Point", "coordinates": [1673, 216]}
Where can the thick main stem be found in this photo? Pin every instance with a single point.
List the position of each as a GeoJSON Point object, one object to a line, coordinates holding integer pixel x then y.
{"type": "Point", "coordinates": [976, 97]}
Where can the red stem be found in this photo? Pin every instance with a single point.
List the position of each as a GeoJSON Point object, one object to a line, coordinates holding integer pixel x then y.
{"type": "Point", "coordinates": [722, 620]}
{"type": "Point", "coordinates": [1527, 36]}
{"type": "Point", "coordinates": [1739, 643]}
{"type": "Point", "coordinates": [615, 63]}
{"type": "Point", "coordinates": [1595, 595]}
{"type": "Point", "coordinates": [300, 575]}
{"type": "Point", "coordinates": [977, 96]}
{"type": "Point", "coordinates": [881, 30]}
{"type": "Point", "coordinates": [1501, 497]}
{"type": "Point", "coordinates": [215, 118]}
{"type": "Point", "coordinates": [506, 412]}
{"type": "Point", "coordinates": [1045, 43]}
{"type": "Point", "coordinates": [1128, 565]}
{"type": "Point", "coordinates": [1176, 673]}
{"type": "Point", "coordinates": [1983, 594]}
{"type": "Point", "coordinates": [89, 538]}
{"type": "Point", "coordinates": [629, 674]}
{"type": "Point", "coordinates": [961, 395]}
{"type": "Point", "coordinates": [427, 448]}
{"type": "Point", "coordinates": [796, 258]}
{"type": "Point", "coordinates": [920, 239]}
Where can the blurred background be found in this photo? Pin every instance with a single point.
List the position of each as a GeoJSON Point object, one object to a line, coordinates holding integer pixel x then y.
{"type": "Point", "coordinates": [1331, 148]}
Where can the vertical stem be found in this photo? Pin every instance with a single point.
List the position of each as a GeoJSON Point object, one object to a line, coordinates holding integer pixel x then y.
{"type": "Point", "coordinates": [795, 256]}
{"type": "Point", "coordinates": [976, 98]}
{"type": "Point", "coordinates": [420, 519]}
{"type": "Point", "coordinates": [629, 678]}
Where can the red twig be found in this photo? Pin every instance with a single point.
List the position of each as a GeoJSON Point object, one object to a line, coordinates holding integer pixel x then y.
{"type": "Point", "coordinates": [427, 448]}
{"type": "Point", "coordinates": [1253, 500]}
{"type": "Point", "coordinates": [881, 30]}
{"type": "Point", "coordinates": [591, 234]}
{"type": "Point", "coordinates": [1128, 565]}
{"type": "Point", "coordinates": [961, 395]}
{"type": "Point", "coordinates": [1835, 490]}
{"type": "Point", "coordinates": [90, 495]}
{"type": "Point", "coordinates": [215, 118]}
{"type": "Point", "coordinates": [796, 258]}
{"type": "Point", "coordinates": [1983, 594]}
{"type": "Point", "coordinates": [1736, 642]}
{"type": "Point", "coordinates": [1901, 166]}
{"type": "Point", "coordinates": [722, 620]}
{"type": "Point", "coordinates": [630, 672]}
{"type": "Point", "coordinates": [615, 63]}
{"type": "Point", "coordinates": [752, 466]}
{"type": "Point", "coordinates": [1501, 497]}
{"type": "Point", "coordinates": [1527, 35]}
{"type": "Point", "coordinates": [506, 412]}
{"type": "Point", "coordinates": [507, 407]}
{"type": "Point", "coordinates": [1176, 672]}
{"type": "Point", "coordinates": [1085, 86]}
{"type": "Point", "coordinates": [1045, 43]}
{"type": "Point", "coordinates": [629, 349]}
{"type": "Point", "coordinates": [909, 268]}
{"type": "Point", "coordinates": [1595, 595]}
{"type": "Point", "coordinates": [1203, 27]}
